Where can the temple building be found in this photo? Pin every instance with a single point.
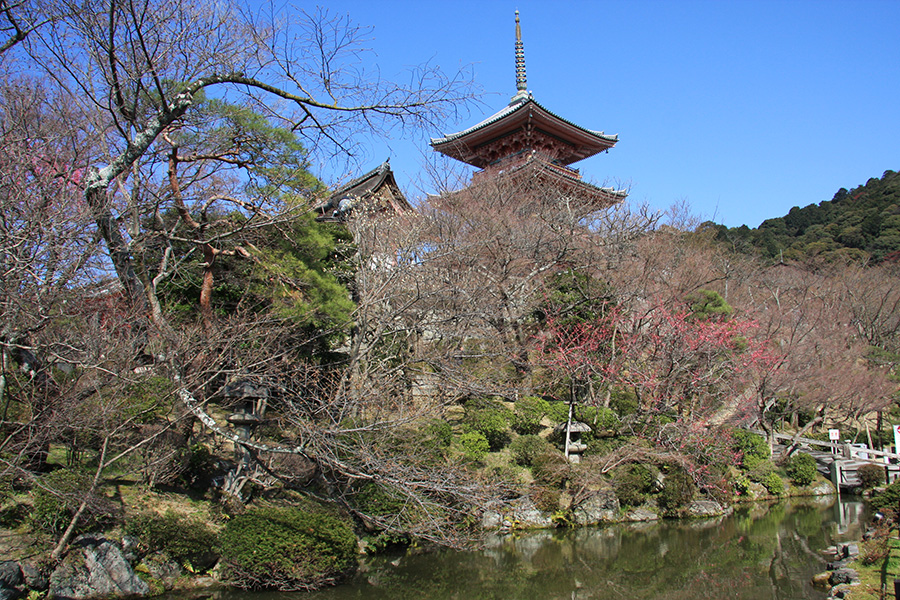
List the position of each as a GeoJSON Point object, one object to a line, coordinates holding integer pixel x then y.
{"type": "Point", "coordinates": [375, 192]}
{"type": "Point", "coordinates": [526, 140]}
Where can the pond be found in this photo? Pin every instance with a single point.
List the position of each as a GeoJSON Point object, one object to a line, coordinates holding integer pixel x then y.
{"type": "Point", "coordinates": [758, 553]}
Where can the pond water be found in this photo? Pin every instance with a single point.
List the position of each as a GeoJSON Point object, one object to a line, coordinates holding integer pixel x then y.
{"type": "Point", "coordinates": [758, 553]}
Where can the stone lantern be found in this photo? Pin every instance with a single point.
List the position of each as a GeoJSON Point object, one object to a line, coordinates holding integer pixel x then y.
{"type": "Point", "coordinates": [574, 447]}
{"type": "Point", "coordinates": [249, 403]}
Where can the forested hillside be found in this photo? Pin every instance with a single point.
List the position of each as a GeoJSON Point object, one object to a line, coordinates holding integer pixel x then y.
{"type": "Point", "coordinates": [863, 223]}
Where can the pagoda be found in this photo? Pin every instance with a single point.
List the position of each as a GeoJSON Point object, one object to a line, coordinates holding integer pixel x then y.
{"type": "Point", "coordinates": [526, 140]}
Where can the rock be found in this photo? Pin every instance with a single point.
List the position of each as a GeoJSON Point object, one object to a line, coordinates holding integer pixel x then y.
{"type": "Point", "coordinates": [519, 514]}
{"type": "Point", "coordinates": [851, 550]}
{"type": "Point", "coordinates": [161, 568]}
{"type": "Point", "coordinates": [35, 578]}
{"type": "Point", "coordinates": [491, 519]}
{"type": "Point", "coordinates": [10, 574]}
{"type": "Point", "coordinates": [822, 487]}
{"type": "Point", "coordinates": [641, 514]}
{"type": "Point", "coordinates": [95, 568]}
{"type": "Point", "coordinates": [822, 579]}
{"type": "Point", "coordinates": [599, 508]}
{"type": "Point", "coordinates": [9, 593]}
{"type": "Point", "coordinates": [843, 576]}
{"type": "Point", "coordinates": [838, 564]}
{"type": "Point", "coordinates": [526, 515]}
{"type": "Point", "coordinates": [705, 508]}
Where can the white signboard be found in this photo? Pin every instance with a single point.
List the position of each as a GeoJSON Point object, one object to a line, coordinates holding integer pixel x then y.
{"type": "Point", "coordinates": [834, 435]}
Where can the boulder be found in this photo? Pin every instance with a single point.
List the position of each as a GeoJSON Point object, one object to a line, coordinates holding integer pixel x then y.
{"type": "Point", "coordinates": [491, 519]}
{"type": "Point", "coordinates": [9, 593]}
{"type": "Point", "coordinates": [10, 574]}
{"type": "Point", "coordinates": [95, 568]}
{"type": "Point", "coordinates": [525, 514]}
{"type": "Point", "coordinates": [843, 576]}
{"type": "Point", "coordinates": [822, 579]}
{"type": "Point", "coordinates": [823, 487]}
{"type": "Point", "coordinates": [162, 569]}
{"type": "Point", "coordinates": [705, 508]}
{"type": "Point", "coordinates": [518, 514]}
{"type": "Point", "coordinates": [850, 550]}
{"type": "Point", "coordinates": [641, 514]}
{"type": "Point", "coordinates": [600, 508]}
{"type": "Point", "coordinates": [36, 578]}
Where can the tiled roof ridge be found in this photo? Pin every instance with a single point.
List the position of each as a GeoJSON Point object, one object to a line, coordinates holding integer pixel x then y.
{"type": "Point", "coordinates": [517, 104]}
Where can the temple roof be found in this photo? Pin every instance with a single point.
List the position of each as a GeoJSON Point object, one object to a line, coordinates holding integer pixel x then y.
{"type": "Point", "coordinates": [523, 114]}
{"type": "Point", "coordinates": [377, 190]}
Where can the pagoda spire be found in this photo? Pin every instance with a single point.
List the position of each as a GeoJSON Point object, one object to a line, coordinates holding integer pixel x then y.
{"type": "Point", "coordinates": [521, 78]}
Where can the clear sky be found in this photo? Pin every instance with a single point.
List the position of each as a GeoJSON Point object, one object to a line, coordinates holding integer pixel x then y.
{"type": "Point", "coordinates": [743, 109]}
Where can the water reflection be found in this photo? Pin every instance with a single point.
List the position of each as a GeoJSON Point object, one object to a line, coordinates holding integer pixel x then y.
{"type": "Point", "coordinates": [760, 552]}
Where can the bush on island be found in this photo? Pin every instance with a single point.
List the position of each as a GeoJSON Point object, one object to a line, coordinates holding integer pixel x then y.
{"type": "Point", "coordinates": [286, 548]}
{"type": "Point", "coordinates": [186, 540]}
{"type": "Point", "coordinates": [773, 482]}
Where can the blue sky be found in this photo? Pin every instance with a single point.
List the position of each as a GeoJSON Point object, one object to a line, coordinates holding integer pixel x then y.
{"type": "Point", "coordinates": [742, 109]}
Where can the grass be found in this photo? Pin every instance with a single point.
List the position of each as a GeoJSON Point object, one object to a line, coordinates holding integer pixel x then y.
{"type": "Point", "coordinates": [877, 579]}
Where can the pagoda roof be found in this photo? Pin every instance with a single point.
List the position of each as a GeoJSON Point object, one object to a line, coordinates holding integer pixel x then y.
{"type": "Point", "coordinates": [535, 170]}
{"type": "Point", "coordinates": [564, 177]}
{"type": "Point", "coordinates": [524, 113]}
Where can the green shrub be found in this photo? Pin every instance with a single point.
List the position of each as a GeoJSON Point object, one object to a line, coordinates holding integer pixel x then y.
{"type": "Point", "coordinates": [750, 445]}
{"type": "Point", "coordinates": [373, 499]}
{"type": "Point", "coordinates": [678, 489]}
{"type": "Point", "coordinates": [871, 475]}
{"type": "Point", "coordinates": [474, 445]}
{"type": "Point", "coordinates": [490, 420]}
{"type": "Point", "coordinates": [526, 448]}
{"type": "Point", "coordinates": [527, 416]}
{"type": "Point", "coordinates": [58, 496]}
{"type": "Point", "coordinates": [758, 468]}
{"type": "Point", "coordinates": [801, 469]}
{"type": "Point", "coordinates": [623, 401]}
{"type": "Point", "coordinates": [632, 484]}
{"type": "Point", "coordinates": [288, 549]}
{"type": "Point", "coordinates": [888, 499]}
{"type": "Point", "coordinates": [558, 412]}
{"type": "Point", "coordinates": [741, 485]}
{"type": "Point", "coordinates": [773, 483]}
{"type": "Point", "coordinates": [440, 433]}
{"type": "Point", "coordinates": [184, 539]}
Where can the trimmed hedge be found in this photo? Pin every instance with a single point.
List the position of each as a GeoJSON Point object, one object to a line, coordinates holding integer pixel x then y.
{"type": "Point", "coordinates": [286, 548]}
{"type": "Point", "coordinates": [474, 445]}
{"type": "Point", "coordinates": [491, 420]}
{"type": "Point", "coordinates": [184, 539]}
{"type": "Point", "coordinates": [526, 448]}
{"type": "Point", "coordinates": [801, 469]}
